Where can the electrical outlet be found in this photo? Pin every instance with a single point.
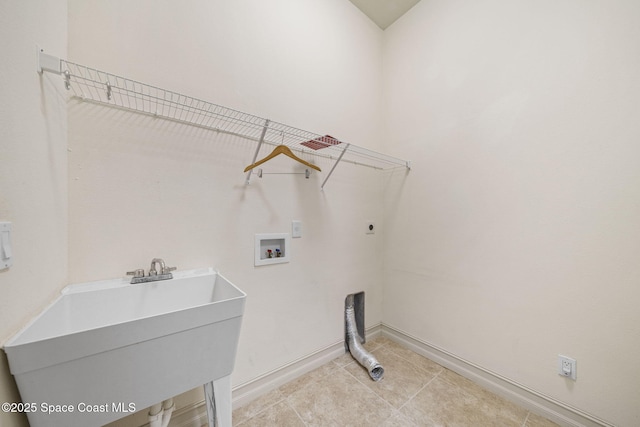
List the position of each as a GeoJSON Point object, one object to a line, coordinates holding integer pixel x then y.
{"type": "Point", "coordinates": [371, 227]}
{"type": "Point", "coordinates": [567, 367]}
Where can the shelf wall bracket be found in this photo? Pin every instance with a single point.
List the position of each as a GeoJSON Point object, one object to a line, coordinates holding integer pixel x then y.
{"type": "Point", "coordinates": [255, 155]}
{"type": "Point", "coordinates": [334, 166]}
{"type": "Point", "coordinates": [47, 62]}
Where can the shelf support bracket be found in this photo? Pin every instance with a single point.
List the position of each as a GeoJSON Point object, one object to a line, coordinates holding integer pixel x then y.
{"type": "Point", "coordinates": [334, 166]}
{"type": "Point", "coordinates": [255, 156]}
{"type": "Point", "coordinates": [47, 62]}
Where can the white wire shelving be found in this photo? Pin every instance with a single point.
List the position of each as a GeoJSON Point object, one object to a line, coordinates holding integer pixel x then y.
{"type": "Point", "coordinates": [105, 88]}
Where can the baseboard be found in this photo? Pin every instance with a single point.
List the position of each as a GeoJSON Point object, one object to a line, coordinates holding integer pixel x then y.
{"type": "Point", "coordinates": [536, 402]}
{"type": "Point", "coordinates": [532, 400]}
{"type": "Point", "coordinates": [250, 390]}
{"type": "Point", "coordinates": [195, 415]}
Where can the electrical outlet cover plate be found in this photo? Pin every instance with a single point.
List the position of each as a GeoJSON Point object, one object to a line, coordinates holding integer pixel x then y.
{"type": "Point", "coordinates": [567, 367]}
{"type": "Point", "coordinates": [371, 227]}
{"type": "Point", "coordinates": [6, 253]}
{"type": "Point", "coordinates": [296, 228]}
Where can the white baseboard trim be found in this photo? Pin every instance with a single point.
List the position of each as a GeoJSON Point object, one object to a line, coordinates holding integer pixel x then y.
{"type": "Point", "coordinates": [195, 415]}
{"type": "Point", "coordinates": [536, 402]}
{"type": "Point", "coordinates": [250, 390]}
{"type": "Point", "coordinates": [529, 399]}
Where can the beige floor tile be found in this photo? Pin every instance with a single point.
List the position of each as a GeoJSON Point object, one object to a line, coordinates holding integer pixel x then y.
{"type": "Point", "coordinates": [399, 420]}
{"type": "Point", "coordinates": [451, 405]}
{"type": "Point", "coordinates": [339, 400]}
{"type": "Point", "coordinates": [258, 405]}
{"type": "Point", "coordinates": [414, 392]}
{"type": "Point", "coordinates": [401, 381]}
{"type": "Point", "coordinates": [534, 420]}
{"type": "Point", "coordinates": [280, 415]}
{"type": "Point", "coordinates": [377, 342]}
{"type": "Point", "coordinates": [343, 360]}
{"type": "Point", "coordinates": [306, 379]}
{"type": "Point", "coordinates": [457, 379]}
{"type": "Point", "coordinates": [418, 360]}
{"type": "Point", "coordinates": [502, 407]}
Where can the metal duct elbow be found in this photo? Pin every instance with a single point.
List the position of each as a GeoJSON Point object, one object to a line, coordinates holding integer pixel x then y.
{"type": "Point", "coordinates": [366, 359]}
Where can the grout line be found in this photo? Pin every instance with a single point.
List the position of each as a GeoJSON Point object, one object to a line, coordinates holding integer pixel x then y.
{"type": "Point", "coordinates": [442, 368]}
{"type": "Point", "coordinates": [264, 408]}
{"type": "Point", "coordinates": [296, 412]}
{"type": "Point", "coordinates": [416, 393]}
{"type": "Point", "coordinates": [390, 349]}
{"type": "Point", "coordinates": [525, 397]}
{"type": "Point", "coordinates": [372, 391]}
{"type": "Point", "coordinates": [339, 370]}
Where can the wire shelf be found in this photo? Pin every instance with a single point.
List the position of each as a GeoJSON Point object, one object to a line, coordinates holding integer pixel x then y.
{"type": "Point", "coordinates": [105, 88]}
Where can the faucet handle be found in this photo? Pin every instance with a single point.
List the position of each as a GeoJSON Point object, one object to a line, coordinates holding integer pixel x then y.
{"type": "Point", "coordinates": [136, 273]}
{"type": "Point", "coordinates": [168, 269]}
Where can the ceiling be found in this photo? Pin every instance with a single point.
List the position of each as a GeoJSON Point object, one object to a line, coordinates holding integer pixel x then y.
{"type": "Point", "coordinates": [384, 12]}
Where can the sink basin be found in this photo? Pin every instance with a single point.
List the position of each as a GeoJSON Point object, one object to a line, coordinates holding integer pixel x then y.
{"type": "Point", "coordinates": [105, 349]}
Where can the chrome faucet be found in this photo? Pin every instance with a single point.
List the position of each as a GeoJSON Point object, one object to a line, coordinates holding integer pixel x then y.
{"type": "Point", "coordinates": [154, 262]}
{"type": "Point", "coordinates": [165, 272]}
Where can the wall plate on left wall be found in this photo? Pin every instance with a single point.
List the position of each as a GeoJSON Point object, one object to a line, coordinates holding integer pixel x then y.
{"type": "Point", "coordinates": [6, 253]}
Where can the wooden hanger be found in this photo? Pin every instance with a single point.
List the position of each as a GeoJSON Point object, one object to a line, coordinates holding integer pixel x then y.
{"type": "Point", "coordinates": [281, 149]}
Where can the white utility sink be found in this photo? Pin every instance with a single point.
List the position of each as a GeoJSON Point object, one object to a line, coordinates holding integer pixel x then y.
{"type": "Point", "coordinates": [105, 349]}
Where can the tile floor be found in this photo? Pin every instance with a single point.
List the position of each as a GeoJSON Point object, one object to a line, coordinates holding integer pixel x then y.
{"type": "Point", "coordinates": [414, 392]}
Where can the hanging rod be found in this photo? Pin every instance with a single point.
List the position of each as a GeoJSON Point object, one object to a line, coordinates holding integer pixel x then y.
{"type": "Point", "coordinates": [306, 173]}
{"type": "Point", "coordinates": [89, 84]}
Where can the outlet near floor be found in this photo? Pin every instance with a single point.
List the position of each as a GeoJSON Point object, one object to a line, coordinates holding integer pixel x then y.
{"type": "Point", "coordinates": [567, 367]}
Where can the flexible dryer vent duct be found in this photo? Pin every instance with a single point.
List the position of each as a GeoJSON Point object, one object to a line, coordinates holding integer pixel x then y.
{"type": "Point", "coordinates": [353, 339]}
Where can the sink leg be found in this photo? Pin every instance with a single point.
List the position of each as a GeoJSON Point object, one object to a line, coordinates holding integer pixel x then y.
{"type": "Point", "coordinates": [217, 395]}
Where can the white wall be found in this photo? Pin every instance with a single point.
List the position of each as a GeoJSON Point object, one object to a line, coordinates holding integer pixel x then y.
{"type": "Point", "coordinates": [33, 170]}
{"type": "Point", "coordinates": [512, 239]}
{"type": "Point", "coordinates": [515, 237]}
{"type": "Point", "coordinates": [141, 188]}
